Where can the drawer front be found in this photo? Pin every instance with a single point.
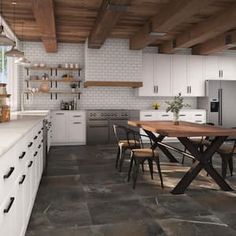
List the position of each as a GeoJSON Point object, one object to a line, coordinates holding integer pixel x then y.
{"type": "Point", "coordinates": [148, 116]}
{"type": "Point", "coordinates": [165, 116]}
{"type": "Point", "coordinates": [9, 169]}
{"type": "Point", "coordinates": [76, 132]}
{"type": "Point", "coordinates": [77, 116]}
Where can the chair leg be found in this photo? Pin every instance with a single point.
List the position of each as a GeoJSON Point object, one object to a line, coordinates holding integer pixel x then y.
{"type": "Point", "coordinates": [224, 166]}
{"type": "Point", "coordinates": [182, 162]}
{"type": "Point", "coordinates": [117, 157]}
{"type": "Point", "coordinates": [135, 173]}
{"type": "Point", "coordinates": [143, 166]}
{"type": "Point", "coordinates": [159, 171]}
{"type": "Point", "coordinates": [122, 157]}
{"type": "Point", "coordinates": [230, 162]}
{"type": "Point", "coordinates": [130, 166]}
{"type": "Point", "coordinates": [150, 167]}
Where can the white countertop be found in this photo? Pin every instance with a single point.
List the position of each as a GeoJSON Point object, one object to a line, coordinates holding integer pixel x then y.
{"type": "Point", "coordinates": [11, 132]}
{"type": "Point", "coordinates": [182, 110]}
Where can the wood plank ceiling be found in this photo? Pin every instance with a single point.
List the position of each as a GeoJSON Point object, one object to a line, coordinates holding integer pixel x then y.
{"type": "Point", "coordinates": [206, 26]}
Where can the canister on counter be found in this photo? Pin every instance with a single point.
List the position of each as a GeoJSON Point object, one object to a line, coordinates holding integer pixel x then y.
{"type": "Point", "coordinates": [5, 113]}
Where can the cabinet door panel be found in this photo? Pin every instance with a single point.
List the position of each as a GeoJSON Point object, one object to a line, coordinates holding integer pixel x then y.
{"type": "Point", "coordinates": [77, 132]}
{"type": "Point", "coordinates": [228, 67]}
{"type": "Point", "coordinates": [196, 80]}
{"type": "Point", "coordinates": [59, 127]}
{"type": "Point", "coordinates": [148, 88]}
{"type": "Point", "coordinates": [179, 74]}
{"type": "Point", "coordinates": [162, 74]}
{"type": "Point", "coordinates": [211, 67]}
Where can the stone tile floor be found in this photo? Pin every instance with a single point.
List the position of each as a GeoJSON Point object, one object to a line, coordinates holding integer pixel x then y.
{"type": "Point", "coordinates": [83, 194]}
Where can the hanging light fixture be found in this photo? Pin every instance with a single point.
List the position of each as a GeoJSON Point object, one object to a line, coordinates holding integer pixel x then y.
{"type": "Point", "coordinates": [14, 52]}
{"type": "Point", "coordinates": [22, 60]}
{"type": "Point", "coordinates": [4, 40]}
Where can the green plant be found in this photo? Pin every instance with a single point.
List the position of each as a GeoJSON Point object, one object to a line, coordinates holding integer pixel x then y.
{"type": "Point", "coordinates": [176, 105]}
{"type": "Point", "coordinates": [156, 105]}
{"type": "Point", "coordinates": [73, 85]}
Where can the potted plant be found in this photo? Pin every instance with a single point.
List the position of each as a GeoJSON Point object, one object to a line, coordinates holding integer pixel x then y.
{"type": "Point", "coordinates": [73, 87]}
{"type": "Point", "coordinates": [175, 106]}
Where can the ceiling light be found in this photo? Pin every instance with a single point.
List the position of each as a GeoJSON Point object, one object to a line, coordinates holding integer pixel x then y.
{"type": "Point", "coordinates": [14, 52]}
{"type": "Point", "coordinates": [158, 34]}
{"type": "Point", "coordinates": [4, 40]}
{"type": "Point", "coordinates": [22, 61]}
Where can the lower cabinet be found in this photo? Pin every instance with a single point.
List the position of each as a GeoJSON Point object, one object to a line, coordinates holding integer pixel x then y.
{"type": "Point", "coordinates": [68, 128]}
{"type": "Point", "coordinates": [21, 171]}
{"type": "Point", "coordinates": [195, 116]}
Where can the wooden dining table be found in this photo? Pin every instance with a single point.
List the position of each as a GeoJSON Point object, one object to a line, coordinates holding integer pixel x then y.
{"type": "Point", "coordinates": [158, 130]}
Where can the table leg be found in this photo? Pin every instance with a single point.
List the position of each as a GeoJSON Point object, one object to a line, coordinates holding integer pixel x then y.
{"type": "Point", "coordinates": [203, 162]}
{"type": "Point", "coordinates": [157, 139]}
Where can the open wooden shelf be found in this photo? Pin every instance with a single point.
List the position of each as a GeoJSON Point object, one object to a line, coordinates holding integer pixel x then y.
{"type": "Point", "coordinates": [129, 84]}
{"type": "Point", "coordinates": [5, 95]}
{"type": "Point", "coordinates": [54, 80]}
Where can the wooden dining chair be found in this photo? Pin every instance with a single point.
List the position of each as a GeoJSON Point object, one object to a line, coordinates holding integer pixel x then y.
{"type": "Point", "coordinates": [199, 142]}
{"type": "Point", "coordinates": [123, 144]}
{"type": "Point", "coordinates": [139, 155]}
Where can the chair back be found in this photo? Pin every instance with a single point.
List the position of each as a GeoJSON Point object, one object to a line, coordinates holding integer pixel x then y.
{"type": "Point", "coordinates": [120, 132]}
{"type": "Point", "coordinates": [134, 139]}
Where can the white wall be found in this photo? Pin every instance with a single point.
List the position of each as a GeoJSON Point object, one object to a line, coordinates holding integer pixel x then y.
{"type": "Point", "coordinates": [114, 61]}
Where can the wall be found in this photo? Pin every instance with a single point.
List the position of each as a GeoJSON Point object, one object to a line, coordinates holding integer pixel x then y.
{"type": "Point", "coordinates": [114, 61]}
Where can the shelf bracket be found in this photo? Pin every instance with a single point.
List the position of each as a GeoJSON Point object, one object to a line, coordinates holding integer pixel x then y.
{"type": "Point", "coordinates": [27, 96]}
{"type": "Point", "coordinates": [27, 83]}
{"type": "Point", "coordinates": [51, 95]}
{"type": "Point", "coordinates": [78, 95]}
{"type": "Point", "coordinates": [56, 71]}
{"type": "Point", "coordinates": [56, 96]}
{"type": "Point", "coordinates": [51, 71]}
{"type": "Point", "coordinates": [56, 84]}
{"type": "Point", "coordinates": [51, 83]}
{"type": "Point", "coordinates": [27, 71]}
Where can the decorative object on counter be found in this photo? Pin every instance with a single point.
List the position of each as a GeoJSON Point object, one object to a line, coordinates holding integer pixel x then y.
{"type": "Point", "coordinates": [42, 65]}
{"type": "Point", "coordinates": [5, 113]}
{"type": "Point", "coordinates": [44, 87]}
{"type": "Point", "coordinates": [73, 87]}
{"type": "Point", "coordinates": [76, 66]}
{"type": "Point", "coordinates": [72, 105]}
{"type": "Point", "coordinates": [71, 65]}
{"type": "Point", "coordinates": [175, 106]}
{"type": "Point", "coordinates": [156, 105]}
{"type": "Point", "coordinates": [3, 90]}
{"type": "Point", "coordinates": [66, 65]}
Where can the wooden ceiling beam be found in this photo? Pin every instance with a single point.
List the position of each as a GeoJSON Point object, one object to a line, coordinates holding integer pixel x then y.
{"type": "Point", "coordinates": [222, 42]}
{"type": "Point", "coordinates": [215, 25]}
{"type": "Point", "coordinates": [168, 17]}
{"type": "Point", "coordinates": [108, 16]}
{"type": "Point", "coordinates": [44, 14]}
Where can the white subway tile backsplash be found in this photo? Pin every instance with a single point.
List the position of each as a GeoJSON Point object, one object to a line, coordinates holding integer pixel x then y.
{"type": "Point", "coordinates": [114, 61]}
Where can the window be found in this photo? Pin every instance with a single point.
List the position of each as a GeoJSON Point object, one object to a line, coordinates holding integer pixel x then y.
{"type": "Point", "coordinates": [3, 65]}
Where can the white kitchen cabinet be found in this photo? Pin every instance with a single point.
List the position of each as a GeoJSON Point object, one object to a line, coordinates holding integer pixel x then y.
{"type": "Point", "coordinates": [73, 125]}
{"type": "Point", "coordinates": [59, 131]}
{"type": "Point", "coordinates": [147, 76]}
{"type": "Point", "coordinates": [220, 67]}
{"type": "Point", "coordinates": [195, 76]}
{"type": "Point", "coordinates": [179, 75]}
{"type": "Point", "coordinates": [162, 75]}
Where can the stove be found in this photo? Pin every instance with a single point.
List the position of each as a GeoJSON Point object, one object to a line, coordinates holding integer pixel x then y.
{"type": "Point", "coordinates": [100, 124]}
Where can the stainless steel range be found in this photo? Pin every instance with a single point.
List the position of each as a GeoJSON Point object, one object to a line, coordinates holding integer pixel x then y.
{"type": "Point", "coordinates": [100, 124]}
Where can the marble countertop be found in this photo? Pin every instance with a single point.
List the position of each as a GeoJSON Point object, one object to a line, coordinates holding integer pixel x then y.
{"type": "Point", "coordinates": [13, 131]}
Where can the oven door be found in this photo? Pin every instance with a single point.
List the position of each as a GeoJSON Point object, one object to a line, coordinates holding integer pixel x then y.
{"type": "Point", "coordinates": [97, 132]}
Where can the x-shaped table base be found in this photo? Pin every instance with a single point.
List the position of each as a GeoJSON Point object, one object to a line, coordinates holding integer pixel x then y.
{"type": "Point", "coordinates": [203, 161]}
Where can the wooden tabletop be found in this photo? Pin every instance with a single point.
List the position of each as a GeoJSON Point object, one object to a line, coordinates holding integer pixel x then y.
{"type": "Point", "coordinates": [184, 129]}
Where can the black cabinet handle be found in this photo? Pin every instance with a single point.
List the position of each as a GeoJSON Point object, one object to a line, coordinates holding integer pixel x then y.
{"type": "Point", "coordinates": [39, 146]}
{"type": "Point", "coordinates": [6, 176]}
{"type": "Point", "coordinates": [22, 155]}
{"type": "Point", "coordinates": [30, 144]}
{"type": "Point", "coordinates": [77, 116]}
{"type": "Point", "coordinates": [42, 141]}
{"type": "Point", "coordinates": [42, 128]}
{"type": "Point", "coordinates": [39, 132]}
{"type": "Point", "coordinates": [30, 164]}
{"type": "Point", "coordinates": [35, 137]}
{"type": "Point", "coordinates": [22, 180]}
{"type": "Point", "coordinates": [35, 154]}
{"type": "Point", "coordinates": [12, 199]}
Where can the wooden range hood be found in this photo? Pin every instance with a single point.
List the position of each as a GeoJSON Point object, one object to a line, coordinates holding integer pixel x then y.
{"type": "Point", "coordinates": [130, 84]}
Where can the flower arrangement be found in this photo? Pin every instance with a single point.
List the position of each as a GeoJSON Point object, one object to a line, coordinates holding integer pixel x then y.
{"type": "Point", "coordinates": [156, 105]}
{"type": "Point", "coordinates": [175, 106]}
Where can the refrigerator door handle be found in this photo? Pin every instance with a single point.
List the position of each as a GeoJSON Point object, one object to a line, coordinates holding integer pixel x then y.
{"type": "Point", "coordinates": [220, 106]}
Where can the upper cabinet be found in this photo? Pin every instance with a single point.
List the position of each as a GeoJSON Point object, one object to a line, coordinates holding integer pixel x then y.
{"type": "Point", "coordinates": [195, 76]}
{"type": "Point", "coordinates": [162, 75]}
{"type": "Point", "coordinates": [220, 67]}
{"type": "Point", "coordinates": [156, 75]}
{"type": "Point", "coordinates": [179, 75]}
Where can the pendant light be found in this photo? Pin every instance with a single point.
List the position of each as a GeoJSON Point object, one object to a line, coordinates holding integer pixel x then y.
{"type": "Point", "coordinates": [22, 60]}
{"type": "Point", "coordinates": [14, 52]}
{"type": "Point", "coordinates": [4, 40]}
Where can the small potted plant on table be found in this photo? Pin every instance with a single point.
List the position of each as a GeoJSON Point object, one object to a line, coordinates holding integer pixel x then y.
{"type": "Point", "coordinates": [175, 106]}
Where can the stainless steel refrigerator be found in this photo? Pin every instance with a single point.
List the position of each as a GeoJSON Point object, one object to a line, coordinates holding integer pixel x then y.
{"type": "Point", "coordinates": [220, 102]}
